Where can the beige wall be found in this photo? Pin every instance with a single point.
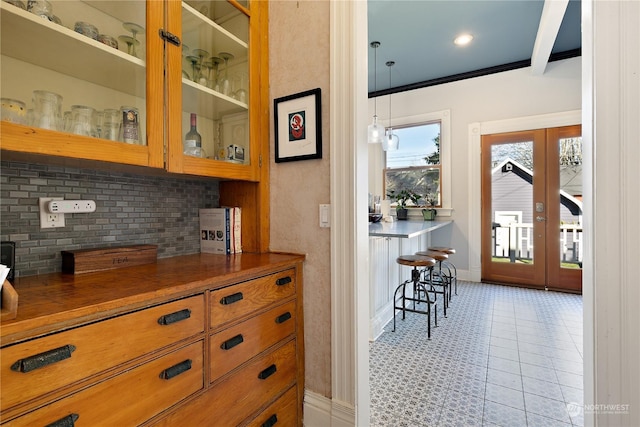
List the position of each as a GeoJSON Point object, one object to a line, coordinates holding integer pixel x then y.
{"type": "Point", "coordinates": [299, 61]}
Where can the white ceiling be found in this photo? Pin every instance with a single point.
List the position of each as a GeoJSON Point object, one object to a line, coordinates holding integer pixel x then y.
{"type": "Point", "coordinates": [418, 35]}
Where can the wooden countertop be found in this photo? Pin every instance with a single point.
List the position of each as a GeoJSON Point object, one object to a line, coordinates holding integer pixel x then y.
{"type": "Point", "coordinates": [55, 301]}
{"type": "Point", "coordinates": [404, 229]}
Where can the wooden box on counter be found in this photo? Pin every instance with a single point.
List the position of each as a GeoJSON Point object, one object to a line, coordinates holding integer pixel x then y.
{"type": "Point", "coordinates": [90, 260]}
{"type": "Point", "coordinates": [9, 302]}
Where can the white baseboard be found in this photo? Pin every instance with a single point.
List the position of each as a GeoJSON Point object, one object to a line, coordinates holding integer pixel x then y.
{"type": "Point", "coordinates": [320, 411]}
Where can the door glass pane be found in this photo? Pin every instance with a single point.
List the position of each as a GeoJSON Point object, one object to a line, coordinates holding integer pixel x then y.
{"type": "Point", "coordinates": [215, 78]}
{"type": "Point", "coordinates": [82, 62]}
{"type": "Point", "coordinates": [511, 202]}
{"type": "Point", "coordinates": [570, 202]}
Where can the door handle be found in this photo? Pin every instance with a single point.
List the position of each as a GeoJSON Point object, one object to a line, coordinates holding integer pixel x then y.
{"type": "Point", "coordinates": [540, 219]}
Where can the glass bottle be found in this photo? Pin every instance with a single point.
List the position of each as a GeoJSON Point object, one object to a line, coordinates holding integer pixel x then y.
{"type": "Point", "coordinates": [129, 127]}
{"type": "Point", "coordinates": [193, 141]}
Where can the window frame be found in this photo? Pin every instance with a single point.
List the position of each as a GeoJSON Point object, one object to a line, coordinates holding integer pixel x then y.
{"type": "Point", "coordinates": [444, 117]}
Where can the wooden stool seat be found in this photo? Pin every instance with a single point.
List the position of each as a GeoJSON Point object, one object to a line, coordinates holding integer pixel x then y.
{"type": "Point", "coordinates": [437, 255]}
{"type": "Point", "coordinates": [444, 249]}
{"type": "Point", "coordinates": [416, 261]}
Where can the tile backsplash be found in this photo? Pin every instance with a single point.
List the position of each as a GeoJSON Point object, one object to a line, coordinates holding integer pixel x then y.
{"type": "Point", "coordinates": [130, 209]}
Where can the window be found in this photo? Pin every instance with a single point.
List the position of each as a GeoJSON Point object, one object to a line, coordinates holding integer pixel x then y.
{"type": "Point", "coordinates": [417, 165]}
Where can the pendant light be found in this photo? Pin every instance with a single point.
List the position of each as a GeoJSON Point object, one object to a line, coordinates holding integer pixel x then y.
{"type": "Point", "coordinates": [391, 141]}
{"type": "Point", "coordinates": [375, 131]}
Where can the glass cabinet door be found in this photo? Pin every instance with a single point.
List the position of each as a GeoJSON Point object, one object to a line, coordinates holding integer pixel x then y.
{"type": "Point", "coordinates": [214, 81]}
{"type": "Point", "coordinates": [74, 80]}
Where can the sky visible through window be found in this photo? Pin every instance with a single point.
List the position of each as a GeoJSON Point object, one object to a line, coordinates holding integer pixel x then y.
{"type": "Point", "coordinates": [416, 142]}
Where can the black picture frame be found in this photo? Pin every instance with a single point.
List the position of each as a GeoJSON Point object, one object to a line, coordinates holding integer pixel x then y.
{"type": "Point", "coordinates": [298, 126]}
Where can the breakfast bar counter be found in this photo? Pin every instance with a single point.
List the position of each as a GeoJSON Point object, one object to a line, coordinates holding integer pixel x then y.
{"type": "Point", "coordinates": [404, 229]}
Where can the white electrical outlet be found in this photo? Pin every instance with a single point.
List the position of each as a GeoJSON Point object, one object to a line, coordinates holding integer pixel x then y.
{"type": "Point", "coordinates": [71, 206]}
{"type": "Point", "coordinates": [48, 219]}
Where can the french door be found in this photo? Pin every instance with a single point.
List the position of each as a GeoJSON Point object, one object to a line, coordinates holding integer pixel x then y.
{"type": "Point", "coordinates": [532, 208]}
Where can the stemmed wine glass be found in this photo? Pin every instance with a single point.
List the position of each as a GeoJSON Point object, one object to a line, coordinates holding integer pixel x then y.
{"type": "Point", "coordinates": [130, 41]}
{"type": "Point", "coordinates": [134, 29]}
{"type": "Point", "coordinates": [225, 84]}
{"type": "Point", "coordinates": [200, 53]}
{"type": "Point", "coordinates": [195, 68]}
{"type": "Point", "coordinates": [215, 82]}
{"type": "Point", "coordinates": [185, 49]}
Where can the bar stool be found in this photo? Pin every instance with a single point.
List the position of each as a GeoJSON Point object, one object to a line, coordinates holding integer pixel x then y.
{"type": "Point", "coordinates": [453, 275]}
{"type": "Point", "coordinates": [419, 289]}
{"type": "Point", "coordinates": [433, 277]}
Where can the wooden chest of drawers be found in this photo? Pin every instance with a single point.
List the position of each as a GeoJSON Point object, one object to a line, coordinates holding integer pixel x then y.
{"type": "Point", "coordinates": [219, 345]}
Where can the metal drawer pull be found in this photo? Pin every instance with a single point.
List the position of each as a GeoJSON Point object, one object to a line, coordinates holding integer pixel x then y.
{"type": "Point", "coordinates": [283, 281]}
{"type": "Point", "coordinates": [273, 419]}
{"type": "Point", "coordinates": [283, 317]}
{"type": "Point", "coordinates": [176, 370]}
{"type": "Point", "coordinates": [230, 299]}
{"type": "Point", "coordinates": [267, 372]}
{"type": "Point", "coordinates": [168, 319]}
{"type": "Point", "coordinates": [30, 363]}
{"type": "Point", "coordinates": [67, 421]}
{"type": "Point", "coordinates": [232, 342]}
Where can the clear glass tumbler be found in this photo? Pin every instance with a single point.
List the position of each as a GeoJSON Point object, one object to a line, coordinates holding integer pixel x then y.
{"type": "Point", "coordinates": [110, 124]}
{"type": "Point", "coordinates": [83, 121]}
{"type": "Point", "coordinates": [47, 110]}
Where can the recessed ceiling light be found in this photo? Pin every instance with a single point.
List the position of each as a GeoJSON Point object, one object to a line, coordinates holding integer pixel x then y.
{"type": "Point", "coordinates": [463, 39]}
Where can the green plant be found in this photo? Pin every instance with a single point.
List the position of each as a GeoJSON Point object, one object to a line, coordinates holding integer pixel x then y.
{"type": "Point", "coordinates": [403, 196]}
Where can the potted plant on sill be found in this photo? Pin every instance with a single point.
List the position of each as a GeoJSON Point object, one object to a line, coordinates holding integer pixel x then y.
{"type": "Point", "coordinates": [429, 214]}
{"type": "Point", "coordinates": [402, 197]}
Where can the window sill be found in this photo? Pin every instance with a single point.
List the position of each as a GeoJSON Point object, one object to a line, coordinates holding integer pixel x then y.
{"type": "Point", "coordinates": [416, 213]}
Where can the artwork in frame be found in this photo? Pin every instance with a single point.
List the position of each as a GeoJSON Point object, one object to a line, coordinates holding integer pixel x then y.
{"type": "Point", "coordinates": [298, 126]}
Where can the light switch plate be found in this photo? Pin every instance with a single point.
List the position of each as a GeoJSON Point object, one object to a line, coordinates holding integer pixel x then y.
{"type": "Point", "coordinates": [325, 215]}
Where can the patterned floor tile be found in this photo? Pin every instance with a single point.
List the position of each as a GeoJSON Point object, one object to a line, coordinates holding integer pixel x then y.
{"type": "Point", "coordinates": [504, 396]}
{"type": "Point", "coordinates": [502, 415]}
{"type": "Point", "coordinates": [486, 363]}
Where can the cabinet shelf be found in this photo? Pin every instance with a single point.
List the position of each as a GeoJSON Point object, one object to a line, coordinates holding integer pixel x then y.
{"type": "Point", "coordinates": [37, 41]}
{"type": "Point", "coordinates": [208, 102]}
{"type": "Point", "coordinates": [200, 32]}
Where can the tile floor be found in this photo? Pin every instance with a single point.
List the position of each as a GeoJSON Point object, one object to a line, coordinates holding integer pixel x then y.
{"type": "Point", "coordinates": [504, 356]}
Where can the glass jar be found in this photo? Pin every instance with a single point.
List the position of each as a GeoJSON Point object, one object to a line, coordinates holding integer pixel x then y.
{"type": "Point", "coordinates": [42, 8]}
{"type": "Point", "coordinates": [47, 110]}
{"type": "Point", "coordinates": [129, 126]}
{"type": "Point", "coordinates": [86, 29]}
{"type": "Point", "coordinates": [110, 124]}
{"type": "Point", "coordinates": [14, 111]}
{"type": "Point", "coordinates": [83, 121]}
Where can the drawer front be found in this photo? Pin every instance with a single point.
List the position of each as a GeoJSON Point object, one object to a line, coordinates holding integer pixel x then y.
{"type": "Point", "coordinates": [243, 393]}
{"type": "Point", "coordinates": [130, 398]}
{"type": "Point", "coordinates": [239, 300]}
{"type": "Point", "coordinates": [234, 346]}
{"type": "Point", "coordinates": [283, 412]}
{"type": "Point", "coordinates": [37, 367]}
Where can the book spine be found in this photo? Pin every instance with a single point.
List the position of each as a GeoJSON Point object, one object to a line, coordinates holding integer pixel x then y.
{"type": "Point", "coordinates": [227, 231]}
{"type": "Point", "coordinates": [237, 229]}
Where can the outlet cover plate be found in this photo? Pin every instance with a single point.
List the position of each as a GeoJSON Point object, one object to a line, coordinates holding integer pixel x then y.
{"type": "Point", "coordinates": [48, 219]}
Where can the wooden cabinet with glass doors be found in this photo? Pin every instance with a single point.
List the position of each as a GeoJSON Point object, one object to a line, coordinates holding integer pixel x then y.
{"type": "Point", "coordinates": [152, 63]}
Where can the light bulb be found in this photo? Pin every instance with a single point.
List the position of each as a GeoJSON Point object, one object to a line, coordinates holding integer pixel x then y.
{"type": "Point", "coordinates": [375, 131]}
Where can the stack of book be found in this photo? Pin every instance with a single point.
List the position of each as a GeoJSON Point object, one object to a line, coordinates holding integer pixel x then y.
{"type": "Point", "coordinates": [220, 230]}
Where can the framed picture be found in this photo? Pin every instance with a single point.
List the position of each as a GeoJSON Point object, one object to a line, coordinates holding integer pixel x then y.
{"type": "Point", "coordinates": [298, 126]}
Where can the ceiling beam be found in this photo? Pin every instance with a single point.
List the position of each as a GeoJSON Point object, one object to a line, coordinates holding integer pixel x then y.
{"type": "Point", "coordinates": [550, 21]}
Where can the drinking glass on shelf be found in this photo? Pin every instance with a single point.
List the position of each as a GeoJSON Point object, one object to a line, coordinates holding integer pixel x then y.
{"type": "Point", "coordinates": [195, 68]}
{"type": "Point", "coordinates": [47, 110]}
{"type": "Point", "coordinates": [201, 53]}
{"type": "Point", "coordinates": [110, 124]}
{"type": "Point", "coordinates": [215, 82]}
{"type": "Point", "coordinates": [134, 29]}
{"type": "Point", "coordinates": [225, 84]}
{"type": "Point", "coordinates": [83, 120]}
{"type": "Point", "coordinates": [14, 111]}
{"type": "Point", "coordinates": [130, 42]}
{"type": "Point", "coordinates": [185, 50]}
